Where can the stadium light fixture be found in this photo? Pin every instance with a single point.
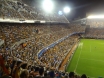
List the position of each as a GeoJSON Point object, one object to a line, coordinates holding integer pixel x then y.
{"type": "Point", "coordinates": [48, 5]}
{"type": "Point", "coordinates": [66, 9]}
{"type": "Point", "coordinates": [60, 12]}
{"type": "Point", "coordinates": [95, 16]}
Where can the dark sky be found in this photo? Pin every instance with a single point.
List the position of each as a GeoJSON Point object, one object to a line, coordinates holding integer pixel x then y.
{"type": "Point", "coordinates": [79, 8]}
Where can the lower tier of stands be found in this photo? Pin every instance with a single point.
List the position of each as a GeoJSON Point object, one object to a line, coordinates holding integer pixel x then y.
{"type": "Point", "coordinates": [23, 42]}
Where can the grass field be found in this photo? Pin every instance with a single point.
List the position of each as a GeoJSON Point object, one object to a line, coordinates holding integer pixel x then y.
{"type": "Point", "coordinates": [88, 58]}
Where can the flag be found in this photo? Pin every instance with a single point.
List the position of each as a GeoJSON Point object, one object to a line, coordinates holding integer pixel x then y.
{"type": "Point", "coordinates": [2, 64]}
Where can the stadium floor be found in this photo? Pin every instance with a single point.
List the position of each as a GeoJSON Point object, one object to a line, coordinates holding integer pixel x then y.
{"type": "Point", "coordinates": [88, 58]}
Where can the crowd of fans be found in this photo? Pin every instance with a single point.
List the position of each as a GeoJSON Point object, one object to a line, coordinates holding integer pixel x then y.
{"type": "Point", "coordinates": [19, 11]}
{"type": "Point", "coordinates": [97, 33]}
{"type": "Point", "coordinates": [21, 43]}
{"type": "Point", "coordinates": [36, 37]}
{"type": "Point", "coordinates": [95, 23]}
{"type": "Point", "coordinates": [54, 56]}
{"type": "Point", "coordinates": [10, 68]}
{"type": "Point", "coordinates": [19, 69]}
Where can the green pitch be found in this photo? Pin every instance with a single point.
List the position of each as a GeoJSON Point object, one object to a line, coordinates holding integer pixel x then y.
{"type": "Point", "coordinates": [88, 58]}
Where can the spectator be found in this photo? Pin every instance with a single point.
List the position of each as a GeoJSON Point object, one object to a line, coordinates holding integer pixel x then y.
{"type": "Point", "coordinates": [41, 72]}
{"type": "Point", "coordinates": [36, 73]}
{"type": "Point", "coordinates": [83, 76]}
{"type": "Point", "coordinates": [51, 73]}
{"type": "Point", "coordinates": [71, 75]}
{"type": "Point", "coordinates": [24, 74]}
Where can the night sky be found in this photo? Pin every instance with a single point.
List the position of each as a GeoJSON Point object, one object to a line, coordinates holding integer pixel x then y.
{"type": "Point", "coordinates": [79, 8]}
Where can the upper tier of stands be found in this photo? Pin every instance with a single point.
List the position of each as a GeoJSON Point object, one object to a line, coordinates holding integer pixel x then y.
{"type": "Point", "coordinates": [16, 10]}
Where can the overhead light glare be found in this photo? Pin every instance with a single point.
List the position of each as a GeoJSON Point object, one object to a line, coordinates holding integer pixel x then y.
{"type": "Point", "coordinates": [48, 5]}
{"type": "Point", "coordinates": [66, 9]}
{"type": "Point", "coordinates": [95, 16]}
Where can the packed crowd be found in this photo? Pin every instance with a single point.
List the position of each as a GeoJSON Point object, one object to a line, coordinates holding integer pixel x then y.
{"type": "Point", "coordinates": [10, 68]}
{"type": "Point", "coordinates": [97, 33]}
{"type": "Point", "coordinates": [95, 23]}
{"type": "Point", "coordinates": [54, 56]}
{"type": "Point", "coordinates": [77, 28]}
{"type": "Point", "coordinates": [9, 32]}
{"type": "Point", "coordinates": [22, 43]}
{"type": "Point", "coordinates": [19, 11]}
{"type": "Point", "coordinates": [31, 38]}
{"type": "Point", "coordinates": [19, 69]}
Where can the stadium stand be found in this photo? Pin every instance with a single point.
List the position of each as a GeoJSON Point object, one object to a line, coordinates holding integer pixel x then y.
{"type": "Point", "coordinates": [20, 43]}
{"type": "Point", "coordinates": [54, 56]}
{"type": "Point", "coordinates": [19, 11]}
{"type": "Point", "coordinates": [95, 33]}
{"type": "Point", "coordinates": [35, 37]}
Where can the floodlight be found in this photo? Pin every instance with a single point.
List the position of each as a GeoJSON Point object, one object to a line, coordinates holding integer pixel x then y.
{"type": "Point", "coordinates": [48, 5]}
{"type": "Point", "coordinates": [95, 16]}
{"type": "Point", "coordinates": [60, 13]}
{"type": "Point", "coordinates": [66, 9]}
